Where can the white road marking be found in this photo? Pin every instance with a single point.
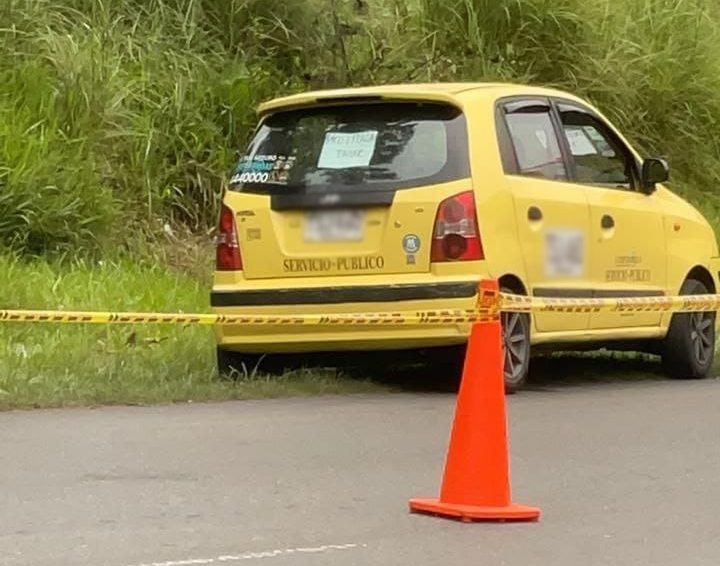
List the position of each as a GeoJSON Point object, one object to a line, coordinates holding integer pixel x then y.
{"type": "Point", "coordinates": [253, 555]}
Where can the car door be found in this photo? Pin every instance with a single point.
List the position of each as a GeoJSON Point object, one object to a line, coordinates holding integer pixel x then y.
{"type": "Point", "coordinates": [552, 215]}
{"type": "Point", "coordinates": [627, 237]}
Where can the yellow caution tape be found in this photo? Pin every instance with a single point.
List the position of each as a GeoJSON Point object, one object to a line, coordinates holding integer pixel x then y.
{"type": "Point", "coordinates": [687, 303]}
{"type": "Point", "coordinates": [369, 319]}
{"type": "Point", "coordinates": [489, 305]}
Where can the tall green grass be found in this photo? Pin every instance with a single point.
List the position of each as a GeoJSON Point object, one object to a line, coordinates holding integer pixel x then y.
{"type": "Point", "coordinates": [119, 116]}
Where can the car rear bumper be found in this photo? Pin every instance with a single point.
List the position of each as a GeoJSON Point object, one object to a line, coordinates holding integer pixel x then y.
{"type": "Point", "coordinates": [343, 294]}
{"type": "Point", "coordinates": [407, 298]}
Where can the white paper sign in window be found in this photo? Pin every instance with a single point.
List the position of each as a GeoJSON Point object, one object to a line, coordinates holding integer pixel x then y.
{"type": "Point", "coordinates": [564, 252]}
{"type": "Point", "coordinates": [342, 150]}
{"type": "Point", "coordinates": [579, 142]}
{"type": "Point", "coordinates": [599, 141]}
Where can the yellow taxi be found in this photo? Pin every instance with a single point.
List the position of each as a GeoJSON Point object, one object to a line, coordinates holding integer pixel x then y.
{"type": "Point", "coordinates": [401, 198]}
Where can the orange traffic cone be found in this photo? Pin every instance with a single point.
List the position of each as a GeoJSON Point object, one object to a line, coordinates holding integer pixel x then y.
{"type": "Point", "coordinates": [476, 485]}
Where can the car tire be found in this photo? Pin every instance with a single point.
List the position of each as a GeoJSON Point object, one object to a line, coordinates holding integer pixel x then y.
{"type": "Point", "coordinates": [234, 365]}
{"type": "Point", "coordinates": [516, 348]}
{"type": "Point", "coordinates": [688, 349]}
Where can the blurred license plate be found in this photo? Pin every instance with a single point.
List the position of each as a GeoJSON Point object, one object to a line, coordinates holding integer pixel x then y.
{"type": "Point", "coordinates": [334, 225]}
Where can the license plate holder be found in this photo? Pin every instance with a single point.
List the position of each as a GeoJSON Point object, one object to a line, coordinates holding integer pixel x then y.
{"type": "Point", "coordinates": [334, 225]}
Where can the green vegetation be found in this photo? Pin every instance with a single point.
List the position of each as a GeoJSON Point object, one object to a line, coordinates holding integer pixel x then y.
{"type": "Point", "coordinates": [120, 120]}
{"type": "Point", "coordinates": [117, 117]}
{"type": "Point", "coordinates": [44, 365]}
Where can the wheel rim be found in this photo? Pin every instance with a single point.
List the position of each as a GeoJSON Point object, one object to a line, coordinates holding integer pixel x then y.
{"type": "Point", "coordinates": [516, 346]}
{"type": "Point", "coordinates": [702, 330]}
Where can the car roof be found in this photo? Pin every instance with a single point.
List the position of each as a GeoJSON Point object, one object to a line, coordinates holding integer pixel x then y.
{"type": "Point", "coordinates": [453, 93]}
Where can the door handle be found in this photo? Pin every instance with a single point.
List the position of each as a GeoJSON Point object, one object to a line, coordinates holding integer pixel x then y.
{"type": "Point", "coordinates": [607, 222]}
{"type": "Point", "coordinates": [534, 214]}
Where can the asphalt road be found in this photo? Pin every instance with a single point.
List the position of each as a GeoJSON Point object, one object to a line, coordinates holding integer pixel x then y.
{"type": "Point", "coordinates": [626, 473]}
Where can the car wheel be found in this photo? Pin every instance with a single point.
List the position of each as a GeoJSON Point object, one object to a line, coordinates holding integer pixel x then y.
{"type": "Point", "coordinates": [234, 365]}
{"type": "Point", "coordinates": [689, 347]}
{"type": "Point", "coordinates": [516, 343]}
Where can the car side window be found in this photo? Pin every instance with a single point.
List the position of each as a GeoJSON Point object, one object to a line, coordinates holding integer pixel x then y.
{"type": "Point", "coordinates": [599, 155]}
{"type": "Point", "coordinates": [535, 143]}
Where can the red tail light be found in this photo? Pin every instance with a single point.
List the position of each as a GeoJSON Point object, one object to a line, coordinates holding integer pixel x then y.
{"type": "Point", "coordinates": [456, 236]}
{"type": "Point", "coordinates": [227, 252]}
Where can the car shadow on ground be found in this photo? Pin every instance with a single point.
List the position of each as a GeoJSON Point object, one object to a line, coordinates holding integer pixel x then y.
{"type": "Point", "coordinates": [547, 372]}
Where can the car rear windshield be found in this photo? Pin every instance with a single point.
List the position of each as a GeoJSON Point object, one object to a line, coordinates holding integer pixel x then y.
{"type": "Point", "coordinates": [381, 146]}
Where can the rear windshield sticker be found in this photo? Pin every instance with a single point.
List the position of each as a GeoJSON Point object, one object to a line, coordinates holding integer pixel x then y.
{"type": "Point", "coordinates": [342, 150]}
{"type": "Point", "coordinates": [263, 169]}
{"type": "Point", "coordinates": [255, 164]}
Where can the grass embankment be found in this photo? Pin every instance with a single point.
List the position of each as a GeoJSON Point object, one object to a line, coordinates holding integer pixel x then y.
{"type": "Point", "coordinates": [47, 365]}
